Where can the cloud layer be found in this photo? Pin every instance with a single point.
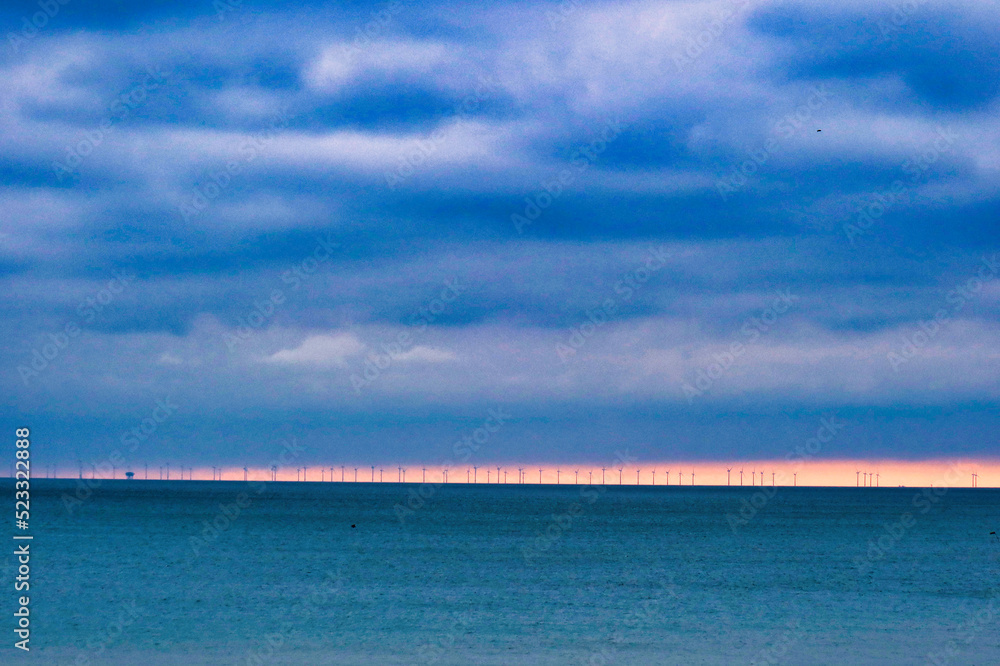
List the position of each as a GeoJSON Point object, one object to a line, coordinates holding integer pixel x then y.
{"type": "Point", "coordinates": [368, 224]}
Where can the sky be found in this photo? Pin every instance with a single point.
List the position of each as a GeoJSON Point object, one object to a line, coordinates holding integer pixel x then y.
{"type": "Point", "coordinates": [563, 232]}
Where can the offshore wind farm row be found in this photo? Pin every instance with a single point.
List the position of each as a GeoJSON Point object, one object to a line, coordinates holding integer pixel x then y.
{"type": "Point", "coordinates": [959, 474]}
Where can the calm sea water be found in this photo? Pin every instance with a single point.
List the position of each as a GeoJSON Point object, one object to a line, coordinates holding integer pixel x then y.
{"type": "Point", "coordinates": [341, 573]}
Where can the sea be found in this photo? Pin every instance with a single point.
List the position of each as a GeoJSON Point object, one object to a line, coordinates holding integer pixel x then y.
{"type": "Point", "coordinates": [197, 572]}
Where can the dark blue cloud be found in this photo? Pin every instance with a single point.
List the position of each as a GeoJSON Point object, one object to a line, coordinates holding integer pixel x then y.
{"type": "Point", "coordinates": [951, 61]}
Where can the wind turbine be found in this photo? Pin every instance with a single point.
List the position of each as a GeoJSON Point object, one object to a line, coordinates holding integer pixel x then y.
{"type": "Point", "coordinates": [399, 475]}
{"type": "Point", "coordinates": [298, 474]}
{"type": "Point", "coordinates": [866, 478]}
{"type": "Point", "coordinates": [504, 478]}
{"type": "Point", "coordinates": [591, 472]}
{"type": "Point", "coordinates": [741, 476]}
{"type": "Point", "coordinates": [168, 471]}
{"type": "Point", "coordinates": [602, 475]}
{"type": "Point", "coordinates": [274, 472]}
{"type": "Point", "coordinates": [380, 475]}
{"type": "Point", "coordinates": [341, 473]}
{"type": "Point", "coordinates": [637, 477]}
{"type": "Point", "coordinates": [423, 479]}
{"type": "Point", "coordinates": [728, 470]}
{"type": "Point", "coordinates": [654, 476]}
{"type": "Point", "coordinates": [795, 478]}
{"type": "Point", "coordinates": [692, 477]}
{"type": "Point", "coordinates": [772, 478]}
{"type": "Point", "coordinates": [322, 474]}
{"type": "Point", "coordinates": [668, 477]}
{"type": "Point", "coordinates": [213, 472]}
{"type": "Point", "coordinates": [681, 475]}
{"type": "Point", "coordinates": [576, 477]}
{"type": "Point", "coordinates": [876, 479]}
{"type": "Point", "coordinates": [475, 473]}
{"type": "Point", "coordinates": [488, 476]}
{"type": "Point", "coordinates": [444, 473]}
{"type": "Point", "coordinates": [520, 475]}
{"type": "Point", "coordinates": [498, 475]}
{"type": "Point", "coordinates": [404, 475]}
{"type": "Point", "coordinates": [857, 479]}
{"type": "Point", "coordinates": [245, 472]}
{"type": "Point", "coordinates": [145, 466]}
{"type": "Point", "coordinates": [620, 475]}
{"type": "Point", "coordinates": [305, 472]}
{"type": "Point", "coordinates": [539, 477]}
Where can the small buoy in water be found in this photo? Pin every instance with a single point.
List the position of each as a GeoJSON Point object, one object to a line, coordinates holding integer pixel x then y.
{"type": "Point", "coordinates": [353, 525]}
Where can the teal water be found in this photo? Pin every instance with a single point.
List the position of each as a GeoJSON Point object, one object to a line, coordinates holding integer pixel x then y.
{"type": "Point", "coordinates": [509, 574]}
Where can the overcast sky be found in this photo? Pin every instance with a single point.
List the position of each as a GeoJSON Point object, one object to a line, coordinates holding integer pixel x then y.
{"type": "Point", "coordinates": [366, 225]}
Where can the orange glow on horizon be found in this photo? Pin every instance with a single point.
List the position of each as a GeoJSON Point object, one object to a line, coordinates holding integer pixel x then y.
{"type": "Point", "coordinates": [845, 473]}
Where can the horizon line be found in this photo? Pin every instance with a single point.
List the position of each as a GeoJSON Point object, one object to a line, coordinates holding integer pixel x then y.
{"type": "Point", "coordinates": [774, 473]}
